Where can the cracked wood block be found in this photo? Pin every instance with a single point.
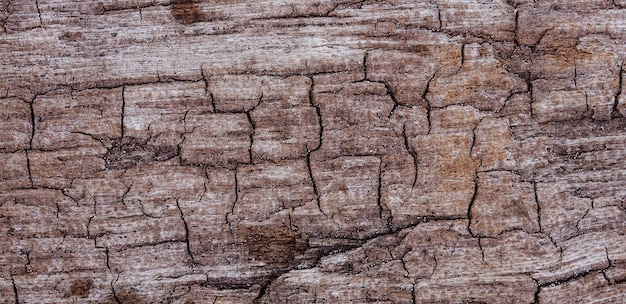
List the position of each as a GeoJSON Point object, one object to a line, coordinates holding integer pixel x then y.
{"type": "Point", "coordinates": [150, 197]}
{"type": "Point", "coordinates": [519, 252]}
{"type": "Point", "coordinates": [415, 68]}
{"type": "Point", "coordinates": [458, 16]}
{"type": "Point", "coordinates": [446, 172]}
{"type": "Point", "coordinates": [100, 111]}
{"type": "Point", "coordinates": [349, 194]}
{"type": "Point", "coordinates": [263, 190]}
{"type": "Point", "coordinates": [590, 287]}
{"type": "Point", "coordinates": [312, 151]}
{"type": "Point", "coordinates": [57, 168]}
{"type": "Point", "coordinates": [494, 145]}
{"type": "Point", "coordinates": [88, 287]}
{"type": "Point", "coordinates": [206, 218]}
{"type": "Point", "coordinates": [481, 81]}
{"type": "Point", "coordinates": [217, 140]}
{"type": "Point", "coordinates": [23, 207]}
{"type": "Point", "coordinates": [16, 125]}
{"type": "Point", "coordinates": [236, 93]}
{"type": "Point", "coordinates": [555, 105]}
{"type": "Point", "coordinates": [14, 173]}
{"type": "Point", "coordinates": [562, 225]}
{"type": "Point", "coordinates": [502, 203]}
{"type": "Point", "coordinates": [69, 255]}
{"type": "Point", "coordinates": [356, 108]}
{"type": "Point", "coordinates": [158, 112]}
{"type": "Point", "coordinates": [286, 124]}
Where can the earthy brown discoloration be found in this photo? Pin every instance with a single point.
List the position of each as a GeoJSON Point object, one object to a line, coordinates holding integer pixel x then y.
{"type": "Point", "coordinates": [186, 12]}
{"type": "Point", "coordinates": [81, 288]}
{"type": "Point", "coordinates": [274, 245]}
{"type": "Point", "coordinates": [125, 297]}
{"type": "Point", "coordinates": [128, 152]}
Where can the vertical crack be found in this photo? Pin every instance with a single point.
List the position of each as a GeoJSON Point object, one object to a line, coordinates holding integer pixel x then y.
{"type": "Point", "coordinates": [32, 121]}
{"type": "Point", "coordinates": [408, 273]}
{"type": "Point", "coordinates": [381, 209]}
{"type": "Point", "coordinates": [435, 266]}
{"type": "Point", "coordinates": [610, 263]}
{"type": "Point", "coordinates": [182, 217]}
{"type": "Point", "coordinates": [471, 204]}
{"type": "Point", "coordinates": [106, 252]}
{"type": "Point", "coordinates": [126, 193]}
{"type": "Point", "coordinates": [317, 195]}
{"type": "Point", "coordinates": [537, 291]}
{"type": "Point", "coordinates": [538, 205]}
{"type": "Point", "coordinates": [318, 111]}
{"type": "Point", "coordinates": [365, 65]}
{"type": "Point", "coordinates": [39, 13]}
{"type": "Point", "coordinates": [252, 125]}
{"type": "Point", "coordinates": [263, 290]}
{"type": "Point", "coordinates": [529, 85]}
{"type": "Point", "coordinates": [207, 92]}
{"type": "Point", "coordinates": [482, 251]}
{"type": "Point", "coordinates": [462, 56]}
{"type": "Point", "coordinates": [575, 76]}
{"type": "Point", "coordinates": [615, 113]}
{"type": "Point", "coordinates": [439, 17]}
{"type": "Point", "coordinates": [123, 109]}
{"type": "Point", "coordinates": [32, 137]}
{"type": "Point", "coordinates": [474, 140]}
{"type": "Point", "coordinates": [17, 298]}
{"type": "Point", "coordinates": [392, 95]}
{"type": "Point", "coordinates": [206, 82]}
{"type": "Point", "coordinates": [424, 94]}
{"type": "Point", "coordinates": [413, 155]}
{"type": "Point", "coordinates": [26, 252]}
{"type": "Point", "coordinates": [89, 236]}
{"type": "Point", "coordinates": [213, 102]}
{"type": "Point", "coordinates": [580, 219]}
{"type": "Point", "coordinates": [115, 297]}
{"type": "Point", "coordinates": [183, 136]}
{"type": "Point", "coordinates": [28, 167]}
{"type": "Point", "coordinates": [232, 208]}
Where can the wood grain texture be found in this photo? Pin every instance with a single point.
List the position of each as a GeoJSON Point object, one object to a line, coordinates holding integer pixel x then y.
{"type": "Point", "coordinates": [318, 151]}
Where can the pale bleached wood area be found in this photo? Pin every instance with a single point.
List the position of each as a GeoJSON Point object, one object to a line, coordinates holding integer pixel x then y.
{"type": "Point", "coordinates": [312, 151]}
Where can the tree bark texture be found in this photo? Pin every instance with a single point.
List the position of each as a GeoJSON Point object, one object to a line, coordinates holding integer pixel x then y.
{"type": "Point", "coordinates": [321, 151]}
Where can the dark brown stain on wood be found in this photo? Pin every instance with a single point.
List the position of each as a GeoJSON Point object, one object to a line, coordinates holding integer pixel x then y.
{"type": "Point", "coordinates": [124, 297]}
{"type": "Point", "coordinates": [186, 12]}
{"type": "Point", "coordinates": [275, 245]}
{"type": "Point", "coordinates": [80, 288]}
{"type": "Point", "coordinates": [128, 152]}
{"type": "Point", "coordinates": [71, 36]}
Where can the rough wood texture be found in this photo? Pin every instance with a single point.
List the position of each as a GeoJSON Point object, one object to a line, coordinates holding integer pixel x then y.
{"type": "Point", "coordinates": [285, 151]}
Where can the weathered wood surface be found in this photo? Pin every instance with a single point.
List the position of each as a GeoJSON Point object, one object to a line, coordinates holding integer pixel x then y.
{"type": "Point", "coordinates": [312, 151]}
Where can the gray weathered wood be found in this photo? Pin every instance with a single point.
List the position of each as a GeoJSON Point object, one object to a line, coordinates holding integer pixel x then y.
{"type": "Point", "coordinates": [156, 151]}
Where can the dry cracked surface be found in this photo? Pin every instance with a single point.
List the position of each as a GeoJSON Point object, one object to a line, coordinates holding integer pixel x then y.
{"type": "Point", "coordinates": [319, 151]}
